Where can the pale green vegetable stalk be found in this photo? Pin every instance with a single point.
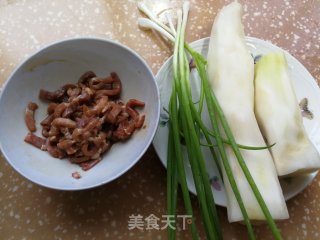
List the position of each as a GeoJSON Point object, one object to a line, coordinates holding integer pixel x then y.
{"type": "Point", "coordinates": [279, 117]}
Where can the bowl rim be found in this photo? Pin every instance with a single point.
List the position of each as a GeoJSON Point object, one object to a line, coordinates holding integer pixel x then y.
{"type": "Point", "coordinates": [144, 149]}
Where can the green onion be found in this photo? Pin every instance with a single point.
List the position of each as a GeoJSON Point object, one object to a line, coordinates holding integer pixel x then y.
{"type": "Point", "coordinates": [181, 80]}
{"type": "Point", "coordinates": [172, 184]}
{"type": "Point", "coordinates": [174, 140]}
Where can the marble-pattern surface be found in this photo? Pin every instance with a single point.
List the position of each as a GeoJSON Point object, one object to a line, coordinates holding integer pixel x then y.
{"type": "Point", "coordinates": [28, 211]}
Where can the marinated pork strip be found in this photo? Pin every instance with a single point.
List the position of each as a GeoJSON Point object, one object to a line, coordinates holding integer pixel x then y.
{"type": "Point", "coordinates": [29, 116]}
{"type": "Point", "coordinates": [135, 103]}
{"type": "Point", "coordinates": [59, 109]}
{"type": "Point", "coordinates": [86, 77]}
{"type": "Point", "coordinates": [52, 106]}
{"type": "Point", "coordinates": [85, 96]}
{"type": "Point", "coordinates": [36, 141]}
{"type": "Point", "coordinates": [67, 145]}
{"type": "Point", "coordinates": [70, 109]}
{"type": "Point", "coordinates": [114, 91]}
{"type": "Point", "coordinates": [112, 115]}
{"type": "Point", "coordinates": [56, 96]}
{"type": "Point", "coordinates": [47, 121]}
{"type": "Point", "coordinates": [76, 175]}
{"type": "Point", "coordinates": [45, 131]}
{"type": "Point", "coordinates": [139, 121]}
{"type": "Point", "coordinates": [124, 130]}
{"type": "Point", "coordinates": [73, 92]}
{"type": "Point", "coordinates": [97, 109]}
{"type": "Point", "coordinates": [99, 83]}
{"type": "Point", "coordinates": [54, 150]}
{"type": "Point", "coordinates": [85, 166]}
{"type": "Point", "coordinates": [64, 123]}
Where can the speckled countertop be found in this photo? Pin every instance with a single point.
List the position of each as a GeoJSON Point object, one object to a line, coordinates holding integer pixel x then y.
{"type": "Point", "coordinates": [28, 211]}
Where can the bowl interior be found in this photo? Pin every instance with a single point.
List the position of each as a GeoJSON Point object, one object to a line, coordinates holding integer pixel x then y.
{"type": "Point", "coordinates": [50, 68]}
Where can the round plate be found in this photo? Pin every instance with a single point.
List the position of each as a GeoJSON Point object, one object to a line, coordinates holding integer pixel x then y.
{"type": "Point", "coordinates": [304, 84]}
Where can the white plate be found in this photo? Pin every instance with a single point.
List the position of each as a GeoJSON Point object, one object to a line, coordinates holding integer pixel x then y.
{"type": "Point", "coordinates": [304, 84]}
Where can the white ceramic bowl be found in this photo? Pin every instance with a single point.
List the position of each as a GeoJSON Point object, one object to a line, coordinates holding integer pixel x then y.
{"type": "Point", "coordinates": [64, 62]}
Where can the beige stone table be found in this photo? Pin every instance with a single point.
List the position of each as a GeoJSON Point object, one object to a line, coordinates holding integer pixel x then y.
{"type": "Point", "coordinates": [28, 211]}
